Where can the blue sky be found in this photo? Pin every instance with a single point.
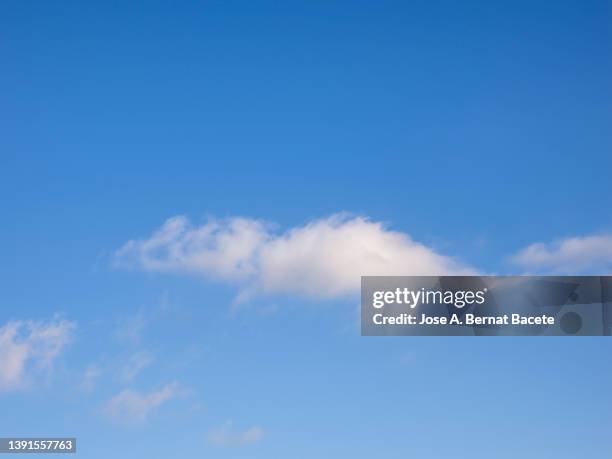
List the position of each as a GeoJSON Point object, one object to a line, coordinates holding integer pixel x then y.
{"type": "Point", "coordinates": [457, 135]}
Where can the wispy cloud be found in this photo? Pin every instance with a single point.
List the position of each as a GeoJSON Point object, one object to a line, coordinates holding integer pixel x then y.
{"type": "Point", "coordinates": [90, 378]}
{"type": "Point", "coordinates": [324, 258]}
{"type": "Point", "coordinates": [135, 364]}
{"type": "Point", "coordinates": [130, 329]}
{"type": "Point", "coordinates": [27, 347]}
{"type": "Point", "coordinates": [226, 436]}
{"type": "Point", "coordinates": [133, 406]}
{"type": "Point", "coordinates": [585, 254]}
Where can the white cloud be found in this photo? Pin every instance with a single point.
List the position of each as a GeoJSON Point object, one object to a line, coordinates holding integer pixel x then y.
{"type": "Point", "coordinates": [225, 436]}
{"type": "Point", "coordinates": [223, 249]}
{"type": "Point", "coordinates": [133, 406]}
{"type": "Point", "coordinates": [135, 364]}
{"type": "Point", "coordinates": [586, 254]}
{"type": "Point", "coordinates": [27, 347]}
{"type": "Point", "coordinates": [324, 258]}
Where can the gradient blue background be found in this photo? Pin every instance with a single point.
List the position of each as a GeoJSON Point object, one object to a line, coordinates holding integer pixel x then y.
{"type": "Point", "coordinates": [476, 127]}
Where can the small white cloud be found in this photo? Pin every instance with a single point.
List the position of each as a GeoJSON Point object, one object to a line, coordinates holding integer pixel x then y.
{"type": "Point", "coordinates": [133, 406]}
{"type": "Point", "coordinates": [324, 258]}
{"type": "Point", "coordinates": [586, 254]}
{"type": "Point", "coordinates": [225, 436]}
{"type": "Point", "coordinates": [135, 364]}
{"type": "Point", "coordinates": [27, 347]}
